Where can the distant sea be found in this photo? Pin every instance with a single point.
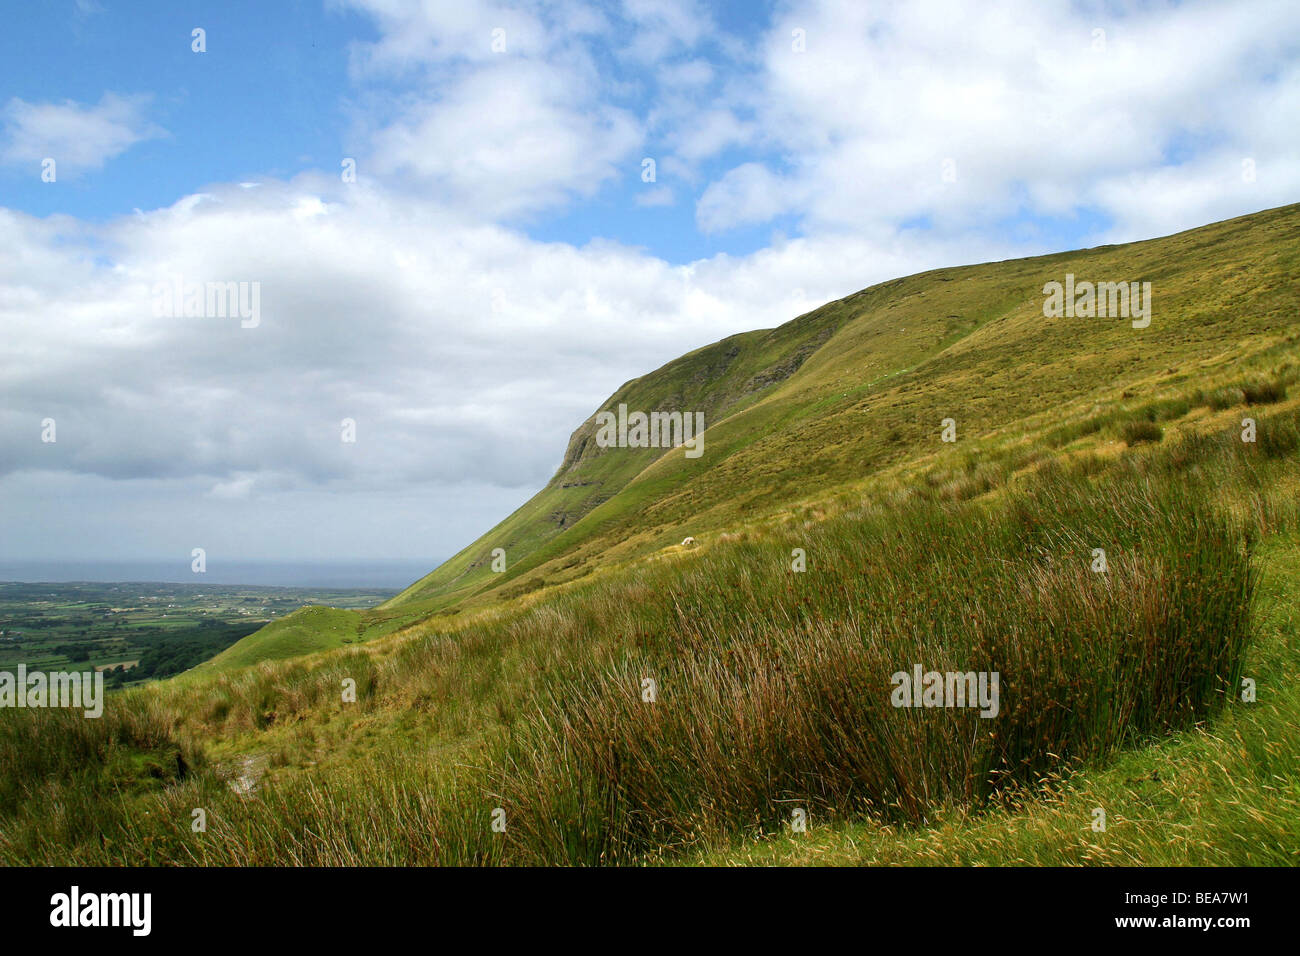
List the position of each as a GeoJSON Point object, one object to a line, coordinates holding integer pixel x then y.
{"type": "Point", "coordinates": [299, 574]}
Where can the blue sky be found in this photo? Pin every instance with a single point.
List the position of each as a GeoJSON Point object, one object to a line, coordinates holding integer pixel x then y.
{"type": "Point", "coordinates": [265, 100]}
{"type": "Point", "coordinates": [271, 97]}
{"type": "Point", "coordinates": [500, 266]}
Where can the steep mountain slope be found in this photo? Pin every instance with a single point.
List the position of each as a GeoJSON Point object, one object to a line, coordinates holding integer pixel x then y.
{"type": "Point", "coordinates": [863, 383]}
{"type": "Point", "coordinates": [1121, 687]}
{"type": "Point", "coordinates": [717, 380]}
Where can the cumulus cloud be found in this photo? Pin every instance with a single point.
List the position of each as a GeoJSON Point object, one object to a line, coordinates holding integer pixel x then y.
{"type": "Point", "coordinates": [505, 112]}
{"type": "Point", "coordinates": [77, 137]}
{"type": "Point", "coordinates": [431, 332]}
{"type": "Point", "coordinates": [748, 194]}
{"type": "Point", "coordinates": [656, 196]}
{"type": "Point", "coordinates": [514, 138]}
{"type": "Point", "coordinates": [1040, 107]}
{"type": "Point", "coordinates": [665, 27]}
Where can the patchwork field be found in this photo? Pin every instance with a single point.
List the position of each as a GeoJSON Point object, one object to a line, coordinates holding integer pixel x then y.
{"type": "Point", "coordinates": [137, 631]}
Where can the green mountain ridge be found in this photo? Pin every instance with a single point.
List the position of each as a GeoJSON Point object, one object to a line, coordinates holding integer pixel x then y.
{"type": "Point", "coordinates": [861, 385]}
{"type": "Point", "coordinates": [842, 377]}
{"type": "Point", "coordinates": [718, 380]}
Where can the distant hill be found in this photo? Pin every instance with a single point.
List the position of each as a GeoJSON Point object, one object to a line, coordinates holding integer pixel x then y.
{"type": "Point", "coordinates": [306, 630]}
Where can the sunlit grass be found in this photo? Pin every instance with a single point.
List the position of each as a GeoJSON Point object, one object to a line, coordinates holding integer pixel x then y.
{"type": "Point", "coordinates": [773, 691]}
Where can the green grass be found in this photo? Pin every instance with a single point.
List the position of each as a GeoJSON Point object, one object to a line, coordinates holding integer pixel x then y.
{"type": "Point", "coordinates": [1264, 393]}
{"type": "Point", "coordinates": [308, 630]}
{"type": "Point", "coordinates": [1225, 793]}
{"type": "Point", "coordinates": [773, 691]}
{"type": "Point", "coordinates": [1137, 432]}
{"type": "Point", "coordinates": [523, 691]}
{"type": "Point", "coordinates": [861, 385]}
{"type": "Point", "coordinates": [305, 631]}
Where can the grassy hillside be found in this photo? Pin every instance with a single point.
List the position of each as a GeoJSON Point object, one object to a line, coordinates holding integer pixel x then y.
{"type": "Point", "coordinates": [774, 689]}
{"type": "Point", "coordinates": [305, 631]}
{"type": "Point", "coordinates": [718, 380]}
{"type": "Point", "coordinates": [522, 697]}
{"type": "Point", "coordinates": [863, 383]}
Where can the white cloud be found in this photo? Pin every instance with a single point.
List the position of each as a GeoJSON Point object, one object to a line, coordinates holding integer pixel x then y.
{"type": "Point", "coordinates": [238, 487]}
{"type": "Point", "coordinates": [505, 114]}
{"type": "Point", "coordinates": [512, 138]}
{"type": "Point", "coordinates": [702, 134]}
{"type": "Point", "coordinates": [77, 137]}
{"type": "Point", "coordinates": [655, 196]}
{"type": "Point", "coordinates": [431, 332]}
{"type": "Point", "coordinates": [664, 27]}
{"type": "Point", "coordinates": [1016, 96]}
{"type": "Point", "coordinates": [413, 34]}
{"type": "Point", "coordinates": [748, 194]}
{"type": "Point", "coordinates": [686, 74]}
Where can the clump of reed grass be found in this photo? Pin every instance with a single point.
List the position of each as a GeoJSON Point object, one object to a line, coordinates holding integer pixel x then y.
{"type": "Point", "coordinates": [1142, 430]}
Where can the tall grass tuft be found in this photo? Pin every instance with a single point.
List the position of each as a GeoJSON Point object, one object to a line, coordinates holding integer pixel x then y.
{"type": "Point", "coordinates": [774, 687]}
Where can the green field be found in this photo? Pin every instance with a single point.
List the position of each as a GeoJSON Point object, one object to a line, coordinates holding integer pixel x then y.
{"type": "Point", "coordinates": [137, 631]}
{"type": "Point", "coordinates": [838, 540]}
